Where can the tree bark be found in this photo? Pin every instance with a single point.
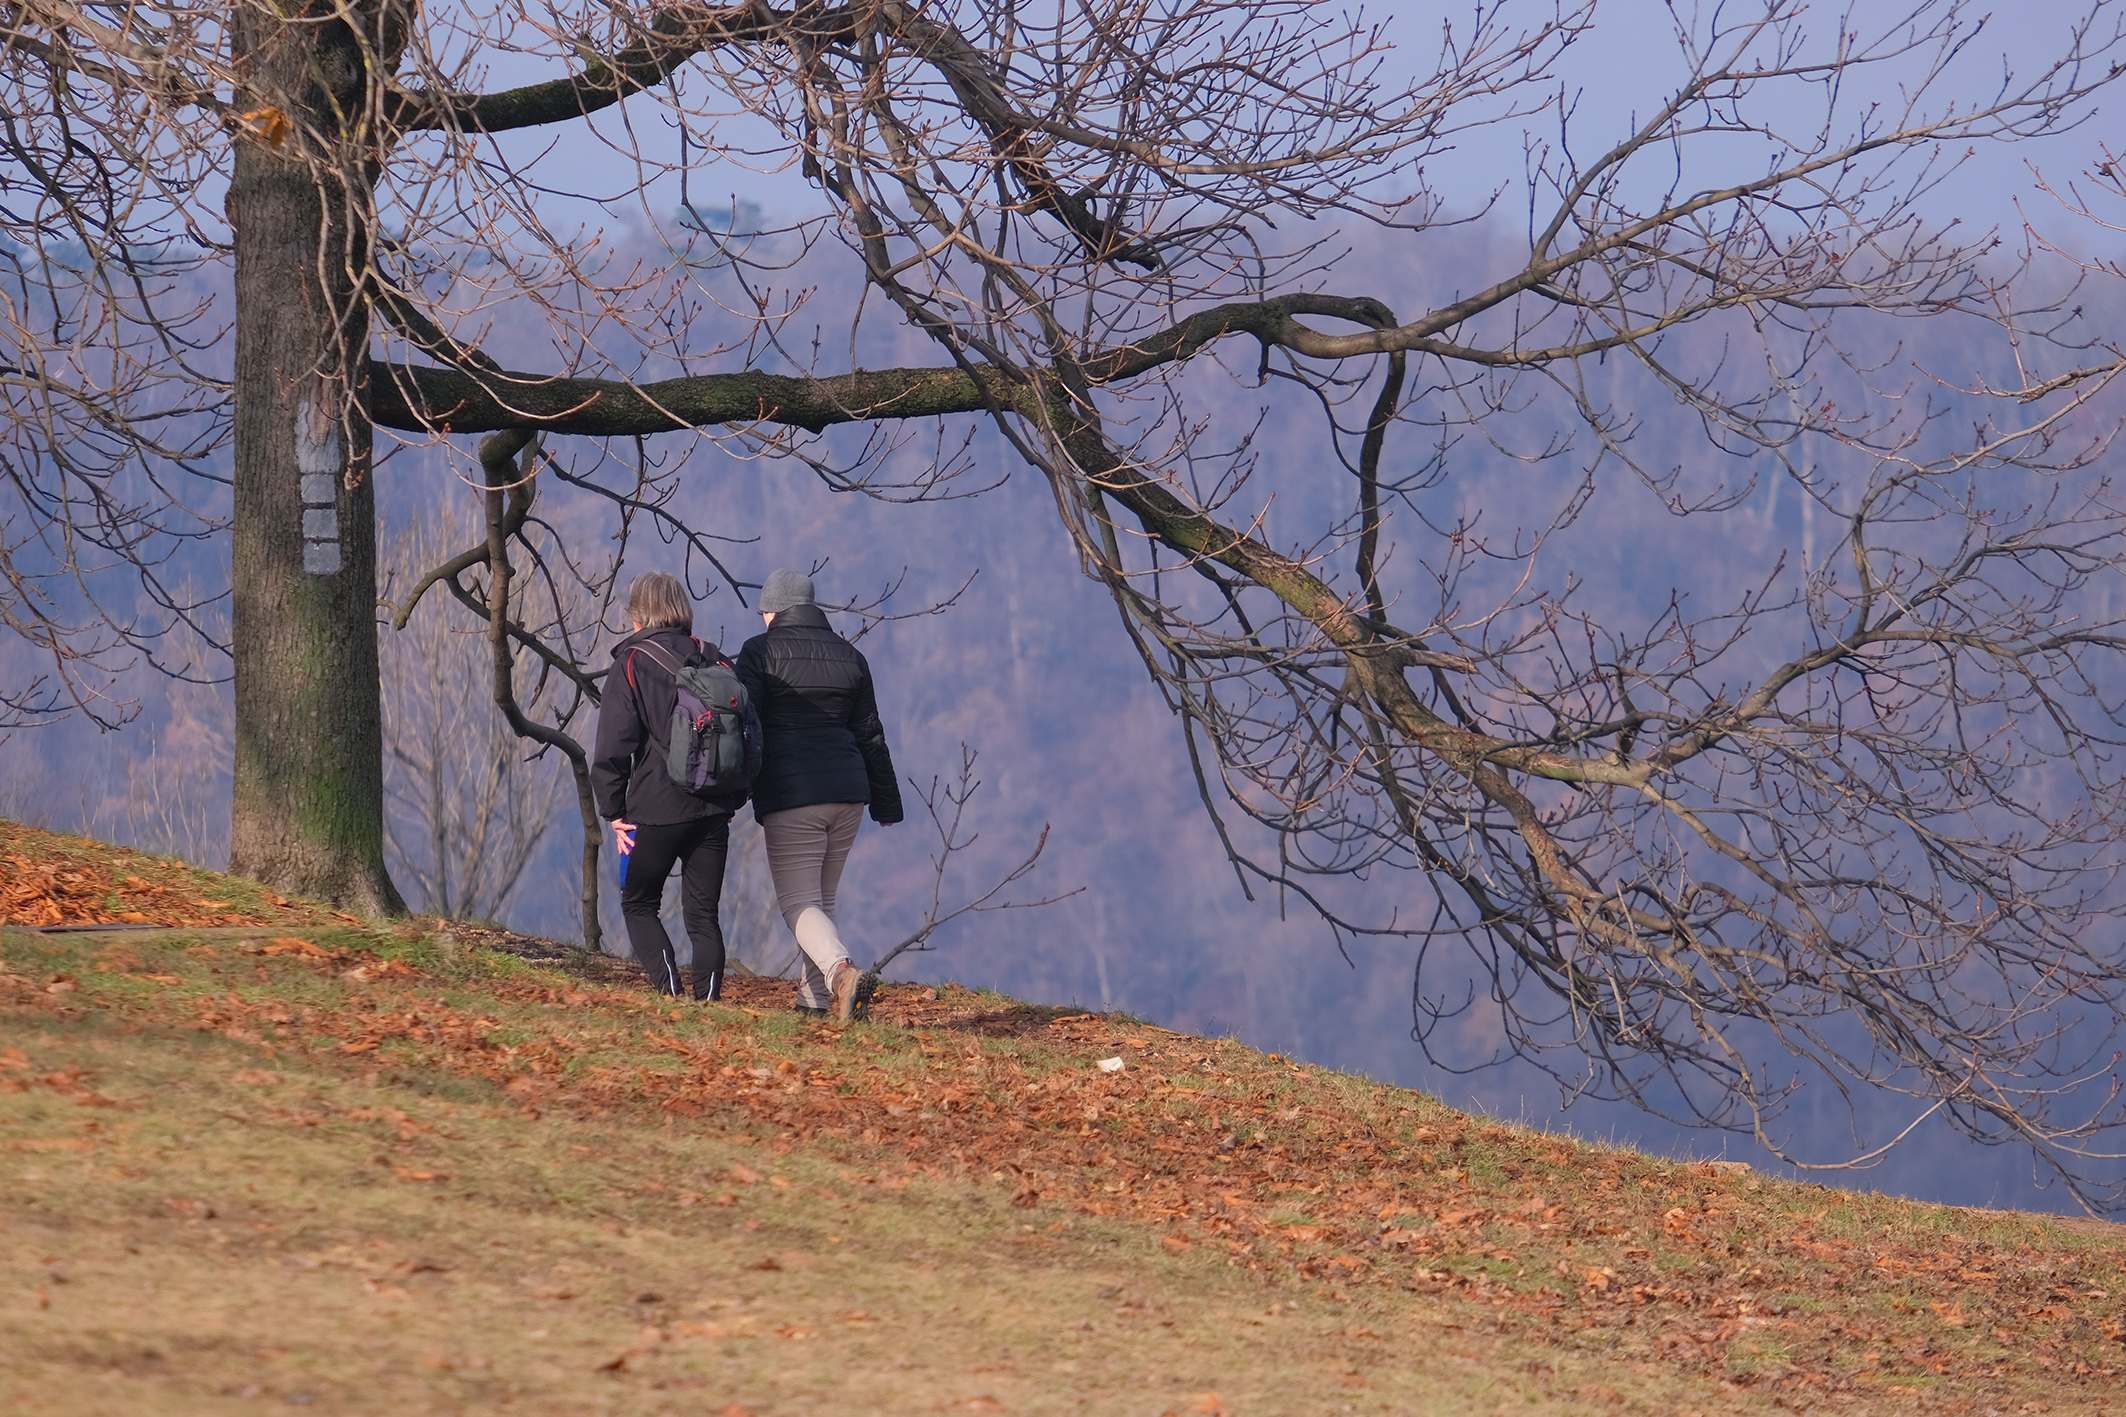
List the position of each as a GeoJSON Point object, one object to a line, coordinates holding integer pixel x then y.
{"type": "Point", "coordinates": [308, 813]}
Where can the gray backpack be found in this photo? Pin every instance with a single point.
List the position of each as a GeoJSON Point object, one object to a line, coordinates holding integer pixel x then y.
{"type": "Point", "coordinates": [715, 737]}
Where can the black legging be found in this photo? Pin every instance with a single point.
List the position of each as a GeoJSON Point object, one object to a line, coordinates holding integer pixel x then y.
{"type": "Point", "coordinates": [701, 848]}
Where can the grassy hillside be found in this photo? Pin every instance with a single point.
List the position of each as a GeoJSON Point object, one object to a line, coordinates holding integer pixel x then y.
{"type": "Point", "coordinates": [268, 1155]}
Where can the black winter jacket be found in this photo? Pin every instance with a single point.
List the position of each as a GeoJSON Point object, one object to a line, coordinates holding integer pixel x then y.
{"type": "Point", "coordinates": [820, 719]}
{"type": "Point", "coordinates": [628, 774]}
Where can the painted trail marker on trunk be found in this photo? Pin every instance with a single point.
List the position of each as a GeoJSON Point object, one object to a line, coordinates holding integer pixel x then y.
{"type": "Point", "coordinates": [318, 459]}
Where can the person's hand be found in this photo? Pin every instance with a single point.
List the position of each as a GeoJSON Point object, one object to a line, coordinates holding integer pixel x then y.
{"type": "Point", "coordinates": [623, 836]}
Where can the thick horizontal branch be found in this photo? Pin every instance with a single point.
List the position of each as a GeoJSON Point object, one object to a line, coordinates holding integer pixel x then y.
{"type": "Point", "coordinates": [420, 399]}
{"type": "Point", "coordinates": [1274, 322]}
{"type": "Point", "coordinates": [674, 38]}
{"type": "Point", "coordinates": [1270, 321]}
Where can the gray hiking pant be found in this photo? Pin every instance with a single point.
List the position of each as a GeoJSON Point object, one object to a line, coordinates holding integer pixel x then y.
{"type": "Point", "coordinates": [807, 848]}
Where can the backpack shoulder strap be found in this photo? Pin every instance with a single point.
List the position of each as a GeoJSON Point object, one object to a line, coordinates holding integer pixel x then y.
{"type": "Point", "coordinates": [654, 653]}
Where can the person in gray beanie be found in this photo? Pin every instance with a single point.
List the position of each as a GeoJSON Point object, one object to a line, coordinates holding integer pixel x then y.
{"type": "Point", "coordinates": [826, 761]}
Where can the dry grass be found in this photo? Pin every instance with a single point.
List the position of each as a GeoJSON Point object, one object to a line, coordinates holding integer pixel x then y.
{"type": "Point", "coordinates": [235, 1227]}
{"type": "Point", "coordinates": [372, 1168]}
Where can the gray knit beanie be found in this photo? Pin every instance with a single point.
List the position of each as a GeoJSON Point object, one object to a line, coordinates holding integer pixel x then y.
{"type": "Point", "coordinates": [785, 588]}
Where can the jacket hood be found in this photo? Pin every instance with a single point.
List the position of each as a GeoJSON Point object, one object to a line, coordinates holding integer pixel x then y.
{"type": "Point", "coordinates": [658, 633]}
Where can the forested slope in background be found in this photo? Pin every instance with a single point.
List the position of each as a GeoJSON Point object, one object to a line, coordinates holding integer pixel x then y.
{"type": "Point", "coordinates": [1025, 664]}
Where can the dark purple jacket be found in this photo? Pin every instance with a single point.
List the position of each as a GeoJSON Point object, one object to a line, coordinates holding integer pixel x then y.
{"type": "Point", "coordinates": [628, 774]}
{"type": "Point", "coordinates": [820, 719]}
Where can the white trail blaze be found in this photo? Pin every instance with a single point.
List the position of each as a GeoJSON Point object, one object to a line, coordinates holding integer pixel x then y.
{"type": "Point", "coordinates": [318, 458]}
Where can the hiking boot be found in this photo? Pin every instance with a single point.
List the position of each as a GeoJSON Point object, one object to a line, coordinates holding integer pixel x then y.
{"type": "Point", "coordinates": [808, 1011]}
{"type": "Point", "coordinates": [853, 989]}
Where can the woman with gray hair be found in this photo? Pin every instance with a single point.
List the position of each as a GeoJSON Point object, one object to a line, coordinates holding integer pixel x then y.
{"type": "Point", "coordinates": [656, 822]}
{"type": "Point", "coordinates": [826, 760]}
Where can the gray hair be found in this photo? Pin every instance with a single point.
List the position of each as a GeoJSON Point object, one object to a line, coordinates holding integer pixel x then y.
{"type": "Point", "coordinates": [657, 601]}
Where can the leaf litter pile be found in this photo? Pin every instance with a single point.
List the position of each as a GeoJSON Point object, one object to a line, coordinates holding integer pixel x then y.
{"type": "Point", "coordinates": [1333, 1181]}
{"type": "Point", "coordinates": [49, 880]}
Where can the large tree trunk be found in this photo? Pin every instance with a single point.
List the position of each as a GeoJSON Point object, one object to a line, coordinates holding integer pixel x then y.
{"type": "Point", "coordinates": [308, 815]}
